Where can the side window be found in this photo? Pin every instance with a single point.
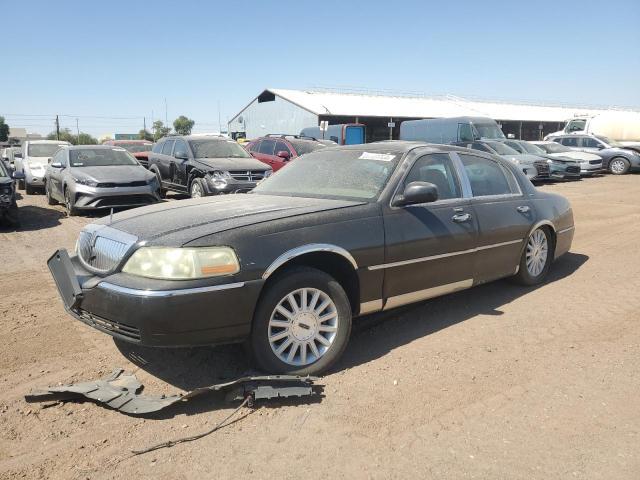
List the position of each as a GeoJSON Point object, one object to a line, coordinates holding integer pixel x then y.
{"type": "Point", "coordinates": [589, 142]}
{"type": "Point", "coordinates": [166, 148]}
{"type": "Point", "coordinates": [253, 146]}
{"type": "Point", "coordinates": [569, 141]}
{"type": "Point", "coordinates": [485, 176]}
{"type": "Point", "coordinates": [180, 149]}
{"type": "Point", "coordinates": [157, 148]}
{"type": "Point", "coordinates": [464, 132]}
{"type": "Point", "coordinates": [282, 147]}
{"type": "Point", "coordinates": [438, 169]}
{"type": "Point", "coordinates": [267, 147]}
{"type": "Point", "coordinates": [480, 146]}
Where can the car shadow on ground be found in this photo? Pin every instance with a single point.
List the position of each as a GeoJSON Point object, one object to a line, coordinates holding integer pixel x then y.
{"type": "Point", "coordinates": [34, 218]}
{"type": "Point", "coordinates": [372, 337]}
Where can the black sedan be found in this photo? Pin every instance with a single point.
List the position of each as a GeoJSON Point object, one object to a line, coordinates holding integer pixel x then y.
{"type": "Point", "coordinates": [339, 233]}
{"type": "Point", "coordinates": [8, 204]}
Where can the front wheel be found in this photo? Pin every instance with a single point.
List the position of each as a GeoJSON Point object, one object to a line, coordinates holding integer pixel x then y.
{"type": "Point", "coordinates": [69, 204]}
{"type": "Point", "coordinates": [536, 258]}
{"type": "Point", "coordinates": [619, 166]}
{"type": "Point", "coordinates": [302, 323]}
{"type": "Point", "coordinates": [198, 188]}
{"type": "Point", "coordinates": [47, 191]}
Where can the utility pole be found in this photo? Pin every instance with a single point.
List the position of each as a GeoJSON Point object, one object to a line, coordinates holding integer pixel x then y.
{"type": "Point", "coordinates": [57, 128]}
{"type": "Point", "coordinates": [144, 127]}
{"type": "Point", "coordinates": [78, 130]}
{"type": "Point", "coordinates": [219, 120]}
{"type": "Point", "coordinates": [166, 117]}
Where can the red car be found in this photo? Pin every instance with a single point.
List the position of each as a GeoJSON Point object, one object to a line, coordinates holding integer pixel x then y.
{"type": "Point", "coordinates": [138, 148]}
{"type": "Point", "coordinates": [277, 150]}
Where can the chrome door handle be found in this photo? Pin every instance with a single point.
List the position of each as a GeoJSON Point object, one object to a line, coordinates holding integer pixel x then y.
{"type": "Point", "coordinates": [523, 209]}
{"type": "Point", "coordinates": [461, 217]}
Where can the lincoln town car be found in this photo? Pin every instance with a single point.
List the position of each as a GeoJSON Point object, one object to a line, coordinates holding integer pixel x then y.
{"type": "Point", "coordinates": [339, 233]}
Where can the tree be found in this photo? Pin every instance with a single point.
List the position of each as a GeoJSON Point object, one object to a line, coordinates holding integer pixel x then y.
{"type": "Point", "coordinates": [159, 130]}
{"type": "Point", "coordinates": [67, 136]}
{"type": "Point", "coordinates": [183, 125]}
{"type": "Point", "coordinates": [145, 135]}
{"type": "Point", "coordinates": [4, 130]}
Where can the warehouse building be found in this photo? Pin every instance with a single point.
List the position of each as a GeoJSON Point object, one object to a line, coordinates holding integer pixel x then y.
{"type": "Point", "coordinates": [289, 111]}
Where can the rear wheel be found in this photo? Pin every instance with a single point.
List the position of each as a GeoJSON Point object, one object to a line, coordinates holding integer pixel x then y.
{"type": "Point", "coordinates": [619, 166]}
{"type": "Point", "coordinates": [21, 184]}
{"type": "Point", "coordinates": [302, 323]}
{"type": "Point", "coordinates": [536, 258]}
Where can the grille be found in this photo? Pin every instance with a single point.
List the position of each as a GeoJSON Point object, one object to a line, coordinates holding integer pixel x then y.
{"type": "Point", "coordinates": [543, 169]}
{"type": "Point", "coordinates": [573, 169]}
{"type": "Point", "coordinates": [141, 183]}
{"type": "Point", "coordinates": [247, 175]}
{"type": "Point", "coordinates": [111, 326]}
{"type": "Point", "coordinates": [123, 201]}
{"type": "Point", "coordinates": [101, 248]}
{"type": "Point", "coordinates": [595, 162]}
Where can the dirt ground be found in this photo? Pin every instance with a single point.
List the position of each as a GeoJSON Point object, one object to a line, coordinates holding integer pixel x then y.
{"type": "Point", "coordinates": [498, 382]}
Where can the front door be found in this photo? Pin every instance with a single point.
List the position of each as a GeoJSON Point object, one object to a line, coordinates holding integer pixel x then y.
{"type": "Point", "coordinates": [504, 217]}
{"type": "Point", "coordinates": [179, 161]}
{"type": "Point", "coordinates": [430, 248]}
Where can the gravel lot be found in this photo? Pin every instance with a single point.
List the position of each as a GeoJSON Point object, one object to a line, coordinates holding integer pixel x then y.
{"type": "Point", "coordinates": [496, 382]}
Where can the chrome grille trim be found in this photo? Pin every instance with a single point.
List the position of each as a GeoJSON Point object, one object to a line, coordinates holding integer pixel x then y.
{"type": "Point", "coordinates": [101, 248]}
{"type": "Point", "coordinates": [247, 175]}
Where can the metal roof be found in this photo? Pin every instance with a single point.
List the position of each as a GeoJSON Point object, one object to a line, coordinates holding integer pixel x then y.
{"type": "Point", "coordinates": [365, 105]}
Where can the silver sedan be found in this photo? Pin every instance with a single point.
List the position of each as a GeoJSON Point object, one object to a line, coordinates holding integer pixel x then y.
{"type": "Point", "coordinates": [91, 177]}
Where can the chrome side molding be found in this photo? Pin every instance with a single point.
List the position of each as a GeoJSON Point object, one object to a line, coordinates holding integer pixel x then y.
{"type": "Point", "coordinates": [412, 297]}
{"type": "Point", "coordinates": [371, 307]}
{"type": "Point", "coordinates": [167, 293]}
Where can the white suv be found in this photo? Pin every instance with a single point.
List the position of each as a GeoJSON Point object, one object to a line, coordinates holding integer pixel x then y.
{"type": "Point", "coordinates": [33, 161]}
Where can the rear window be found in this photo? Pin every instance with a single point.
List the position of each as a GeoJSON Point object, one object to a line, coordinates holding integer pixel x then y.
{"type": "Point", "coordinates": [303, 147]}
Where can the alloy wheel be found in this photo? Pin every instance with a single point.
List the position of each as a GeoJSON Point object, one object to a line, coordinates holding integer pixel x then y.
{"type": "Point", "coordinates": [537, 252]}
{"type": "Point", "coordinates": [617, 166]}
{"type": "Point", "coordinates": [303, 326]}
{"type": "Point", "coordinates": [196, 190]}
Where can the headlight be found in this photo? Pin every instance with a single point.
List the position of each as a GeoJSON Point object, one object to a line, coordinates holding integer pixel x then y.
{"type": "Point", "coordinates": [267, 173]}
{"type": "Point", "coordinates": [87, 182]}
{"type": "Point", "coordinates": [182, 263]}
{"type": "Point", "coordinates": [218, 175]}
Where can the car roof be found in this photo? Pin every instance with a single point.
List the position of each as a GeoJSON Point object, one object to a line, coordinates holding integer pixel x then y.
{"type": "Point", "coordinates": [92, 147]}
{"type": "Point", "coordinates": [398, 146]}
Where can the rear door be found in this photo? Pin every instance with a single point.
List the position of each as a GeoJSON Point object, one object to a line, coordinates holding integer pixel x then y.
{"type": "Point", "coordinates": [504, 216]}
{"type": "Point", "coordinates": [430, 248]}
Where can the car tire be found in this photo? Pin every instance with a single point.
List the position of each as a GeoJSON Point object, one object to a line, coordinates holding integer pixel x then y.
{"type": "Point", "coordinates": [162, 193]}
{"type": "Point", "coordinates": [300, 329]}
{"type": "Point", "coordinates": [536, 258]}
{"type": "Point", "coordinates": [197, 189]}
{"type": "Point", "coordinates": [47, 191]}
{"type": "Point", "coordinates": [619, 166]}
{"type": "Point", "coordinates": [29, 190]}
{"type": "Point", "coordinates": [21, 184]}
{"type": "Point", "coordinates": [69, 204]}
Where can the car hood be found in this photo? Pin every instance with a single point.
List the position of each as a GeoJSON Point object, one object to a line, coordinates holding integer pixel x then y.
{"type": "Point", "coordinates": [180, 222]}
{"type": "Point", "coordinates": [524, 158]}
{"type": "Point", "coordinates": [37, 161]}
{"type": "Point", "coordinates": [576, 156]}
{"type": "Point", "coordinates": [113, 173]}
{"type": "Point", "coordinates": [226, 164]}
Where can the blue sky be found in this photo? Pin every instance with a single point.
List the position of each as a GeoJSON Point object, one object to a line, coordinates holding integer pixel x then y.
{"type": "Point", "coordinates": [122, 59]}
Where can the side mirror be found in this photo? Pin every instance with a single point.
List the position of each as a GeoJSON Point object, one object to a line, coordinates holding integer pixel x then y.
{"type": "Point", "coordinates": [181, 155]}
{"type": "Point", "coordinates": [416, 193]}
{"type": "Point", "coordinates": [284, 155]}
{"type": "Point", "coordinates": [18, 176]}
{"type": "Point", "coordinates": [56, 165]}
{"type": "Point", "coordinates": [600, 146]}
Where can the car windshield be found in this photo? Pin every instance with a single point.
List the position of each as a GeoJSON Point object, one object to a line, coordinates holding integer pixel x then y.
{"type": "Point", "coordinates": [608, 141]}
{"type": "Point", "coordinates": [502, 149]}
{"type": "Point", "coordinates": [488, 130]}
{"type": "Point", "coordinates": [303, 147]}
{"type": "Point", "coordinates": [531, 148]}
{"type": "Point", "coordinates": [515, 145]}
{"type": "Point", "coordinates": [136, 147]}
{"type": "Point", "coordinates": [555, 148]}
{"type": "Point", "coordinates": [43, 149]}
{"type": "Point", "coordinates": [100, 157]}
{"type": "Point", "coordinates": [210, 148]}
{"type": "Point", "coordinates": [342, 174]}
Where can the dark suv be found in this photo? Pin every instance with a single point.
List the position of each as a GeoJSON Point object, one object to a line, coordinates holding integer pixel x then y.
{"type": "Point", "coordinates": [202, 165]}
{"type": "Point", "coordinates": [8, 204]}
{"type": "Point", "coordinates": [276, 150]}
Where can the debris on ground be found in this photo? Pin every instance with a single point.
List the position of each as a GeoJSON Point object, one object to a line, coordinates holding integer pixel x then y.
{"type": "Point", "coordinates": [121, 391]}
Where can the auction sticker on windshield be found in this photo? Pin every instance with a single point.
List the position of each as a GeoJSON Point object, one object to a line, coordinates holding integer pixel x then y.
{"type": "Point", "coordinates": [382, 157]}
